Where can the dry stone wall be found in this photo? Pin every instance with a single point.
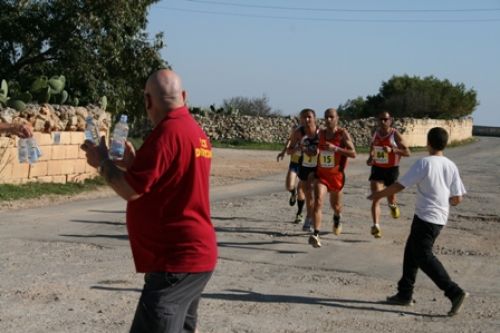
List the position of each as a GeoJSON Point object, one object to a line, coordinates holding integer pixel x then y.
{"type": "Point", "coordinates": [276, 129]}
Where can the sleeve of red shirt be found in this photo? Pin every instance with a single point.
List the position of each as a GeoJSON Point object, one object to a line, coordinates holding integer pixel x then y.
{"type": "Point", "coordinates": [151, 161]}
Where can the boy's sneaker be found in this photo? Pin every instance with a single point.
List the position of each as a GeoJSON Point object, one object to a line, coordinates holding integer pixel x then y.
{"type": "Point", "coordinates": [299, 218]}
{"type": "Point", "coordinates": [376, 232]}
{"type": "Point", "coordinates": [307, 225]}
{"type": "Point", "coordinates": [457, 302]}
{"type": "Point", "coordinates": [398, 300]}
{"type": "Point", "coordinates": [293, 198]}
{"type": "Point", "coordinates": [314, 241]}
{"type": "Point", "coordinates": [337, 226]}
{"type": "Point", "coordinates": [395, 213]}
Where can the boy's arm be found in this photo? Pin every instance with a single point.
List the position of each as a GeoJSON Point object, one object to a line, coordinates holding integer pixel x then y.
{"type": "Point", "coordinates": [393, 189]}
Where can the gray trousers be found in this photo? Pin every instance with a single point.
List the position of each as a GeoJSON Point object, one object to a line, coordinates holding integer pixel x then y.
{"type": "Point", "coordinates": [169, 302]}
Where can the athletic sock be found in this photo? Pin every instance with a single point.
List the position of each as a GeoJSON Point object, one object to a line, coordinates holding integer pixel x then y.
{"type": "Point", "coordinates": [336, 218]}
{"type": "Point", "coordinates": [316, 232]}
{"type": "Point", "coordinates": [300, 205]}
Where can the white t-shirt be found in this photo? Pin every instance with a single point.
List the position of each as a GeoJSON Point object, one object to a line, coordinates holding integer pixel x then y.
{"type": "Point", "coordinates": [437, 179]}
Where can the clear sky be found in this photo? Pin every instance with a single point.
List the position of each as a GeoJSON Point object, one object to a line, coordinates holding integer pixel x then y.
{"type": "Point", "coordinates": [321, 53]}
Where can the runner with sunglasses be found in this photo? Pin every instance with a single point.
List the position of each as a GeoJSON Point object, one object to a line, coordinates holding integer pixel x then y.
{"type": "Point", "coordinates": [386, 148]}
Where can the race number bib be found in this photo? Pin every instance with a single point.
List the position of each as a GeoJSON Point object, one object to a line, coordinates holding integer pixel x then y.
{"type": "Point", "coordinates": [327, 159]}
{"type": "Point", "coordinates": [381, 156]}
{"type": "Point", "coordinates": [310, 161]}
{"type": "Point", "coordinates": [295, 158]}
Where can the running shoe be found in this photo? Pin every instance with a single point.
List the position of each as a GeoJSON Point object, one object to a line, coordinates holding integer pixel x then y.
{"type": "Point", "coordinates": [457, 302]}
{"type": "Point", "coordinates": [337, 229]}
{"type": "Point", "coordinates": [299, 218]}
{"type": "Point", "coordinates": [337, 226]}
{"type": "Point", "coordinates": [395, 213]}
{"type": "Point", "coordinates": [293, 198]}
{"type": "Point", "coordinates": [307, 225]}
{"type": "Point", "coordinates": [314, 241]}
{"type": "Point", "coordinates": [398, 300]}
{"type": "Point", "coordinates": [376, 232]}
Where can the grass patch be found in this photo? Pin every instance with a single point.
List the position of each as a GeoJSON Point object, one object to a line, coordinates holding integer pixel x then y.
{"type": "Point", "coordinates": [10, 192]}
{"type": "Point", "coordinates": [463, 142]}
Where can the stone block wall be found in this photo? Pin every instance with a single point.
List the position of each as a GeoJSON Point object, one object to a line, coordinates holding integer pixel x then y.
{"type": "Point", "coordinates": [415, 130]}
{"type": "Point", "coordinates": [59, 163]}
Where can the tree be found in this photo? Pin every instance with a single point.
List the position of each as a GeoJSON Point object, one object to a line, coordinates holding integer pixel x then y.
{"type": "Point", "coordinates": [99, 46]}
{"type": "Point", "coordinates": [256, 106]}
{"type": "Point", "coordinates": [353, 109]}
{"type": "Point", "coordinates": [405, 96]}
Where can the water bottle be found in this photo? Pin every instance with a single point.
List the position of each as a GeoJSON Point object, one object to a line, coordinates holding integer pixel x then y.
{"type": "Point", "coordinates": [91, 132]}
{"type": "Point", "coordinates": [56, 138]}
{"type": "Point", "coordinates": [120, 133]}
{"type": "Point", "coordinates": [33, 150]}
{"type": "Point", "coordinates": [22, 150]}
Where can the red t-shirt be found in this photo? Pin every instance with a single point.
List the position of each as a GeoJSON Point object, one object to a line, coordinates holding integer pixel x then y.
{"type": "Point", "coordinates": [169, 226]}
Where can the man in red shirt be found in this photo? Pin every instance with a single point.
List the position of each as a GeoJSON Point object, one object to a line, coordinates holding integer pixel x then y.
{"type": "Point", "coordinates": [166, 185]}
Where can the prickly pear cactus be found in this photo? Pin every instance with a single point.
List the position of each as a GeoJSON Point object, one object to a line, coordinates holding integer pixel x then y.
{"type": "Point", "coordinates": [103, 102]}
{"type": "Point", "coordinates": [56, 85]}
{"type": "Point", "coordinates": [64, 97]}
{"type": "Point", "coordinates": [44, 95]}
{"type": "Point", "coordinates": [16, 104]}
{"type": "Point", "coordinates": [4, 89]}
{"type": "Point", "coordinates": [39, 84]}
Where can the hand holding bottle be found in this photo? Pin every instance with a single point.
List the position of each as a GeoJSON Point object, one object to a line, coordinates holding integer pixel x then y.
{"type": "Point", "coordinates": [95, 154]}
{"type": "Point", "coordinates": [128, 157]}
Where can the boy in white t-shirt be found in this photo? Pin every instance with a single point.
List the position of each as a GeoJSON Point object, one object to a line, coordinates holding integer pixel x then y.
{"type": "Point", "coordinates": [438, 186]}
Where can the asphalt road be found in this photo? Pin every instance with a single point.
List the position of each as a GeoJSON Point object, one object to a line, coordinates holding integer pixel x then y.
{"type": "Point", "coordinates": [260, 252]}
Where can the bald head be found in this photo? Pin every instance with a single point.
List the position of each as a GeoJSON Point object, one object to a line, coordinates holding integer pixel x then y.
{"type": "Point", "coordinates": [165, 88]}
{"type": "Point", "coordinates": [163, 92]}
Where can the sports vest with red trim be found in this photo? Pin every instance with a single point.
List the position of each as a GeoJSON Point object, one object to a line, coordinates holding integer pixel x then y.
{"type": "Point", "coordinates": [328, 160]}
{"type": "Point", "coordinates": [382, 158]}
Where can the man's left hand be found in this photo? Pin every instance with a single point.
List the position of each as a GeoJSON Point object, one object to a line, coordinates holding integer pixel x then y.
{"type": "Point", "coordinates": [95, 154]}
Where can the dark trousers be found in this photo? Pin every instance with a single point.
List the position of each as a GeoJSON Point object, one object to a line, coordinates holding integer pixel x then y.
{"type": "Point", "coordinates": [418, 254]}
{"type": "Point", "coordinates": [169, 302]}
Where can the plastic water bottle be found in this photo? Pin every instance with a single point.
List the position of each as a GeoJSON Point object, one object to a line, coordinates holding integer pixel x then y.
{"type": "Point", "coordinates": [33, 150]}
{"type": "Point", "coordinates": [22, 150]}
{"type": "Point", "coordinates": [56, 138]}
{"type": "Point", "coordinates": [91, 133]}
{"type": "Point", "coordinates": [120, 133]}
